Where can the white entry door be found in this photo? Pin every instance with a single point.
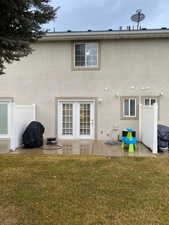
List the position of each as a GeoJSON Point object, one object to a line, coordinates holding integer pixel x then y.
{"type": "Point", "coordinates": [76, 120]}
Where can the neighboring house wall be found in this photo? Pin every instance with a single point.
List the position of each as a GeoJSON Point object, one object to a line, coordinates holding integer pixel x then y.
{"type": "Point", "coordinates": [126, 66]}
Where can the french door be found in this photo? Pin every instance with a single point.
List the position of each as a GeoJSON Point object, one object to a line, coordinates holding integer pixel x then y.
{"type": "Point", "coordinates": [76, 120]}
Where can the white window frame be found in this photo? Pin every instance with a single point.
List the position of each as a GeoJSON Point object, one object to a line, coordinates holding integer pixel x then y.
{"type": "Point", "coordinates": [150, 99]}
{"type": "Point", "coordinates": [86, 66]}
{"type": "Point", "coordinates": [129, 116]}
{"type": "Point", "coordinates": [7, 136]}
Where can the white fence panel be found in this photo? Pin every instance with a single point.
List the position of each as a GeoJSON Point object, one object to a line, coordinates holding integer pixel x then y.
{"type": "Point", "coordinates": [22, 115]}
{"type": "Point", "coordinates": [148, 126]}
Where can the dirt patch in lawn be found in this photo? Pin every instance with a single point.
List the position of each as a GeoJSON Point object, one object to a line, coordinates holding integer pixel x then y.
{"type": "Point", "coordinates": [10, 215]}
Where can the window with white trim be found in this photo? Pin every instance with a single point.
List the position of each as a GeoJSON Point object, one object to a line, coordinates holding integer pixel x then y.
{"type": "Point", "coordinates": [86, 55]}
{"type": "Point", "coordinates": [150, 101]}
{"type": "Point", "coordinates": [129, 107]}
{"type": "Point", "coordinates": [4, 118]}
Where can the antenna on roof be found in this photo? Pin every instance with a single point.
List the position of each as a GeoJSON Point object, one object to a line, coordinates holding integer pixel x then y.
{"type": "Point", "coordinates": [138, 17]}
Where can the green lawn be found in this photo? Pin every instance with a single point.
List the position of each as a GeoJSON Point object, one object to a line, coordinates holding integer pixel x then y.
{"type": "Point", "coordinates": [58, 190]}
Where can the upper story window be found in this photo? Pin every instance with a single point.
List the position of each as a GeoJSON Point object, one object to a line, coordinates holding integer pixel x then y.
{"type": "Point", "coordinates": [86, 55]}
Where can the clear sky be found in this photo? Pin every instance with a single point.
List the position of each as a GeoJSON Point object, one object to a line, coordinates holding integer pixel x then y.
{"type": "Point", "coordinates": [106, 14]}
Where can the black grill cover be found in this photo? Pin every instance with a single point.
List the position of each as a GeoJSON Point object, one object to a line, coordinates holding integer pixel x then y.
{"type": "Point", "coordinates": [163, 136]}
{"type": "Point", "coordinates": [33, 135]}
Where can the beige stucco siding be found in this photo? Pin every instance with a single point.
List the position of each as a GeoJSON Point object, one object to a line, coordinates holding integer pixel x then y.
{"type": "Point", "coordinates": [47, 74]}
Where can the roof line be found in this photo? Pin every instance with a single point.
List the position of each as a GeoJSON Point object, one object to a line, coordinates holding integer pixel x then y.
{"type": "Point", "coordinates": [108, 30]}
{"type": "Point", "coordinates": [107, 34]}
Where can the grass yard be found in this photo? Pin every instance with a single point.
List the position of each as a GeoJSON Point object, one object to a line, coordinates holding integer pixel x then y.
{"type": "Point", "coordinates": [60, 190]}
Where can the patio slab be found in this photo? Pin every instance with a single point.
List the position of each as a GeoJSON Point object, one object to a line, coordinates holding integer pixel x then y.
{"type": "Point", "coordinates": [4, 146]}
{"type": "Point", "coordinates": [97, 148]}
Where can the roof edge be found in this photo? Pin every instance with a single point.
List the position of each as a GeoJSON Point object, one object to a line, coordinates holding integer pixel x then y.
{"type": "Point", "coordinates": [100, 35]}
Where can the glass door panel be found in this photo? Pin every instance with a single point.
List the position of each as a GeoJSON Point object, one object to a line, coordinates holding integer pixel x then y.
{"type": "Point", "coordinates": [67, 119]}
{"type": "Point", "coordinates": [3, 118]}
{"type": "Point", "coordinates": [85, 119]}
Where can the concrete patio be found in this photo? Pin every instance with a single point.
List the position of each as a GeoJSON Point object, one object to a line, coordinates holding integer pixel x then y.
{"type": "Point", "coordinates": [4, 146]}
{"type": "Point", "coordinates": [97, 148]}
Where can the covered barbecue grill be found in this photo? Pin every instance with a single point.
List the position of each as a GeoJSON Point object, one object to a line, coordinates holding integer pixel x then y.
{"type": "Point", "coordinates": [163, 137]}
{"type": "Point", "coordinates": [33, 135]}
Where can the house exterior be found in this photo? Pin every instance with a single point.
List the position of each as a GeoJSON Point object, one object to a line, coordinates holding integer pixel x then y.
{"type": "Point", "coordinates": [88, 85]}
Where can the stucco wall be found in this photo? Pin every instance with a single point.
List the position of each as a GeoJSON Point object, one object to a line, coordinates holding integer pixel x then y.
{"type": "Point", "coordinates": [47, 74]}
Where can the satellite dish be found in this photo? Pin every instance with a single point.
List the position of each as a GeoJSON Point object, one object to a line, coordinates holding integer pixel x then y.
{"type": "Point", "coordinates": [138, 10]}
{"type": "Point", "coordinates": [138, 17]}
